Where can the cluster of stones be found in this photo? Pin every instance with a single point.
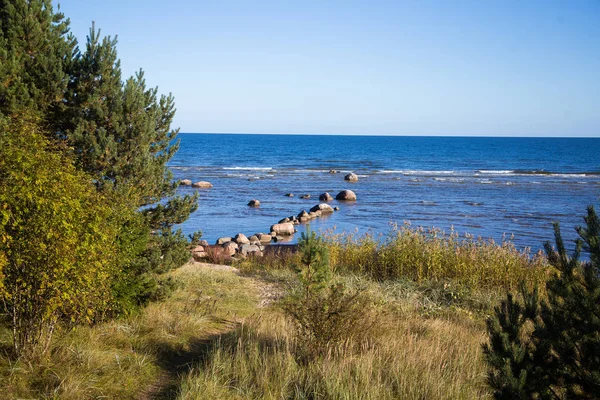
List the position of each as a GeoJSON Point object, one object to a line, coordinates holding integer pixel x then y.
{"type": "Point", "coordinates": [241, 246]}
{"type": "Point", "coordinates": [286, 224]}
{"type": "Point", "coordinates": [238, 246]}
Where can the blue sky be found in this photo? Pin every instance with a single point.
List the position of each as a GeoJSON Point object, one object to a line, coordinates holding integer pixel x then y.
{"type": "Point", "coordinates": [481, 68]}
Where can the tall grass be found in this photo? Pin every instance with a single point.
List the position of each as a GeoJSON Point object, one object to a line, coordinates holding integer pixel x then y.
{"type": "Point", "coordinates": [432, 254]}
{"type": "Point", "coordinates": [408, 358]}
{"type": "Point", "coordinates": [122, 359]}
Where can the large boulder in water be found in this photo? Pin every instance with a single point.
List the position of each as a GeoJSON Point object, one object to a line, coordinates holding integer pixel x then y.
{"type": "Point", "coordinates": [202, 185]}
{"type": "Point", "coordinates": [346, 195]}
{"type": "Point", "coordinates": [324, 208]}
{"type": "Point", "coordinates": [351, 177]}
{"type": "Point", "coordinates": [325, 197]}
{"type": "Point", "coordinates": [185, 182]}
{"type": "Point", "coordinates": [284, 229]}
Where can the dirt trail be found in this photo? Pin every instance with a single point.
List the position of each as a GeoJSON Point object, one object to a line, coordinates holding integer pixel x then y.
{"type": "Point", "coordinates": [166, 385]}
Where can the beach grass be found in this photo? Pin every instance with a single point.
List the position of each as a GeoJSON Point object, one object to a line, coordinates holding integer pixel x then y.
{"type": "Point", "coordinates": [410, 353]}
{"type": "Point", "coordinates": [223, 334]}
{"type": "Point", "coordinates": [125, 358]}
{"type": "Point", "coordinates": [421, 254]}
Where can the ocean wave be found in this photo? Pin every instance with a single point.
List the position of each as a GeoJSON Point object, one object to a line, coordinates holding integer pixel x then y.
{"type": "Point", "coordinates": [248, 168]}
{"type": "Point", "coordinates": [536, 172]}
{"type": "Point", "coordinates": [309, 170]}
{"type": "Point", "coordinates": [496, 172]}
{"type": "Point", "coordinates": [415, 172]}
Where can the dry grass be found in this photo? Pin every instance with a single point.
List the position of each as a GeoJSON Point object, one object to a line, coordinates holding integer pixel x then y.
{"type": "Point", "coordinates": [409, 357]}
{"type": "Point", "coordinates": [120, 359]}
{"type": "Point", "coordinates": [425, 343]}
{"type": "Point", "coordinates": [420, 254]}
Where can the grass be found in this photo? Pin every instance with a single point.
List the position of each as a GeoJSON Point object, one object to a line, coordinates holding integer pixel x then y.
{"type": "Point", "coordinates": [214, 339]}
{"type": "Point", "coordinates": [421, 255]}
{"type": "Point", "coordinates": [409, 355]}
{"type": "Point", "coordinates": [122, 359]}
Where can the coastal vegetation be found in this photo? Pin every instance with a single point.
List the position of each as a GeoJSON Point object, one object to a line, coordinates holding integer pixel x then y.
{"type": "Point", "coordinates": [87, 200]}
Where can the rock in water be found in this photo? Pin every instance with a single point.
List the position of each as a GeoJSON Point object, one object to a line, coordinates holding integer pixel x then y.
{"type": "Point", "coordinates": [324, 208]}
{"type": "Point", "coordinates": [185, 182]}
{"type": "Point", "coordinates": [254, 203]}
{"type": "Point", "coordinates": [325, 197]}
{"type": "Point", "coordinates": [284, 229]}
{"type": "Point", "coordinates": [264, 238]}
{"type": "Point", "coordinates": [305, 196]}
{"type": "Point", "coordinates": [347, 195]}
{"type": "Point", "coordinates": [202, 185]}
{"type": "Point", "coordinates": [352, 177]}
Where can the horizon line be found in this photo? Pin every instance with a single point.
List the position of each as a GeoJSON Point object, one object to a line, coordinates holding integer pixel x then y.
{"type": "Point", "coordinates": [392, 135]}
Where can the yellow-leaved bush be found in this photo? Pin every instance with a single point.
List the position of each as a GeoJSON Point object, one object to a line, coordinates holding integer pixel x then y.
{"type": "Point", "coordinates": [58, 239]}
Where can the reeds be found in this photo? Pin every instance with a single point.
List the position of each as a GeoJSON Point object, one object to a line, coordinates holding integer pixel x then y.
{"type": "Point", "coordinates": [431, 254]}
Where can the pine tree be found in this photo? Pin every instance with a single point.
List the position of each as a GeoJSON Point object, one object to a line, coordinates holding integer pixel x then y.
{"type": "Point", "coordinates": [117, 131]}
{"type": "Point", "coordinates": [35, 51]}
{"type": "Point", "coordinates": [121, 132]}
{"type": "Point", "coordinates": [551, 348]}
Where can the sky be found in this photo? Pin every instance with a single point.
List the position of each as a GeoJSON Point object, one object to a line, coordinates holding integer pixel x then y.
{"type": "Point", "coordinates": [437, 68]}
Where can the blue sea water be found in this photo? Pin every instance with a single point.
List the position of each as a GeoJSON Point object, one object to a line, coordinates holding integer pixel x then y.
{"type": "Point", "coordinates": [487, 187]}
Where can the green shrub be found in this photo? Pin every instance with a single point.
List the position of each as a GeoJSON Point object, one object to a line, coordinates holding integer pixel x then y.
{"type": "Point", "coordinates": [58, 240]}
{"type": "Point", "coordinates": [327, 315]}
{"type": "Point", "coordinates": [550, 348]}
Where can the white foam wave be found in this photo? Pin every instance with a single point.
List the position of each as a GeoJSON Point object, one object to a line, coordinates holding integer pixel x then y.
{"type": "Point", "coordinates": [496, 172]}
{"type": "Point", "coordinates": [415, 172]}
{"type": "Point", "coordinates": [309, 170]}
{"type": "Point", "coordinates": [568, 175]}
{"type": "Point", "coordinates": [248, 168]}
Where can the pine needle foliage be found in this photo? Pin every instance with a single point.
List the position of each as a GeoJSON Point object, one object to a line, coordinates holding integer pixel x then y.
{"type": "Point", "coordinates": [550, 348]}
{"type": "Point", "coordinates": [327, 315]}
{"type": "Point", "coordinates": [115, 129]}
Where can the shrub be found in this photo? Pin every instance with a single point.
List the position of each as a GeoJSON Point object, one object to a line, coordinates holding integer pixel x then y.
{"type": "Point", "coordinates": [326, 314]}
{"type": "Point", "coordinates": [58, 240]}
{"type": "Point", "coordinates": [551, 348]}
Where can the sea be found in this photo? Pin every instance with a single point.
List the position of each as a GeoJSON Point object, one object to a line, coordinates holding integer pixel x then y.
{"type": "Point", "coordinates": [494, 188]}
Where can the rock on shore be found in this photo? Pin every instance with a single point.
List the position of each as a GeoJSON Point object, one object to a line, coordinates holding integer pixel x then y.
{"type": "Point", "coordinates": [198, 253]}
